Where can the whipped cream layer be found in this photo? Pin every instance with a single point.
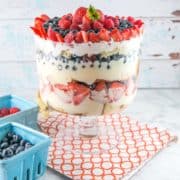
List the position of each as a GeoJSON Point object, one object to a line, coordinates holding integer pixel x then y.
{"type": "Point", "coordinates": [89, 48]}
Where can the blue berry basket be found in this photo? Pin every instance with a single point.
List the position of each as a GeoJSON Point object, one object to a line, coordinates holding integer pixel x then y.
{"type": "Point", "coordinates": [27, 115]}
{"type": "Point", "coordinates": [29, 164]}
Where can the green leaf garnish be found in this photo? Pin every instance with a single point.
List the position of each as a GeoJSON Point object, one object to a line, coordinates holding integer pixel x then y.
{"type": "Point", "coordinates": [92, 13]}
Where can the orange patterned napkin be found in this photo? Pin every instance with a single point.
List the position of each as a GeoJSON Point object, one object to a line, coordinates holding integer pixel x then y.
{"type": "Point", "coordinates": [122, 146]}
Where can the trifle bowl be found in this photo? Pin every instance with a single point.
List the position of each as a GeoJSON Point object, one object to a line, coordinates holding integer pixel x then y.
{"type": "Point", "coordinates": [87, 63]}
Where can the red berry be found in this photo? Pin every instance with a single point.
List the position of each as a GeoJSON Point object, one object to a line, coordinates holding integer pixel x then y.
{"type": "Point", "coordinates": [44, 17]}
{"type": "Point", "coordinates": [85, 27]}
{"type": "Point", "coordinates": [59, 37]}
{"type": "Point", "coordinates": [69, 37]}
{"type": "Point", "coordinates": [68, 17]}
{"type": "Point", "coordinates": [85, 36]}
{"type": "Point", "coordinates": [109, 23]}
{"type": "Point", "coordinates": [116, 35]}
{"type": "Point", "coordinates": [86, 20]}
{"type": "Point", "coordinates": [93, 37]}
{"type": "Point", "coordinates": [78, 15]}
{"type": "Point", "coordinates": [104, 35]}
{"type": "Point", "coordinates": [139, 23]}
{"type": "Point", "coordinates": [101, 15]}
{"type": "Point", "coordinates": [64, 23]}
{"type": "Point", "coordinates": [126, 34]}
{"type": "Point", "coordinates": [116, 21]}
{"type": "Point", "coordinates": [130, 19]}
{"type": "Point", "coordinates": [5, 111]}
{"type": "Point", "coordinates": [74, 26]}
{"type": "Point", "coordinates": [36, 31]}
{"type": "Point", "coordinates": [100, 86]}
{"type": "Point", "coordinates": [97, 25]}
{"type": "Point", "coordinates": [14, 110]}
{"type": "Point", "coordinates": [78, 37]}
{"type": "Point", "coordinates": [38, 22]}
{"type": "Point", "coordinates": [51, 34]}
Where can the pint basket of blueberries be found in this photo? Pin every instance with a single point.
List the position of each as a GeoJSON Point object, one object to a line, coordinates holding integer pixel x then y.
{"type": "Point", "coordinates": [23, 152]}
{"type": "Point", "coordinates": [17, 109]}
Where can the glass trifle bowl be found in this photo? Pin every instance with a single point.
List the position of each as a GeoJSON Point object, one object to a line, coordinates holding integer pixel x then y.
{"type": "Point", "coordinates": [87, 62]}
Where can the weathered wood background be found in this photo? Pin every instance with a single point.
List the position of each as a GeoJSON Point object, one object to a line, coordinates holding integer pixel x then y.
{"type": "Point", "coordinates": [160, 67]}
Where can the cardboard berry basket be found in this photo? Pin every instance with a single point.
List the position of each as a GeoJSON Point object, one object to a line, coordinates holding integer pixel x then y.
{"type": "Point", "coordinates": [27, 114]}
{"type": "Point", "coordinates": [29, 164]}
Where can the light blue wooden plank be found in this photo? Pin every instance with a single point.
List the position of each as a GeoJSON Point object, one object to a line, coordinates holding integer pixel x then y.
{"type": "Point", "coordinates": [153, 74]}
{"type": "Point", "coordinates": [161, 38]}
{"type": "Point", "coordinates": [29, 8]}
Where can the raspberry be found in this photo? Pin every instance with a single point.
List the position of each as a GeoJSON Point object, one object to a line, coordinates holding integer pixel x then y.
{"type": "Point", "coordinates": [5, 111]}
{"type": "Point", "coordinates": [14, 110]}
{"type": "Point", "coordinates": [116, 21]}
{"type": "Point", "coordinates": [69, 38]}
{"type": "Point", "coordinates": [64, 24]}
{"type": "Point", "coordinates": [85, 27]}
{"type": "Point", "coordinates": [74, 26]}
{"type": "Point", "coordinates": [78, 15]}
{"type": "Point", "coordinates": [78, 37]}
{"type": "Point", "coordinates": [108, 23]}
{"type": "Point", "coordinates": [97, 25]}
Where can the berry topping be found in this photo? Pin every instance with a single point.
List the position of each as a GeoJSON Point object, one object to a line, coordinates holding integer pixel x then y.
{"type": "Point", "coordinates": [14, 110]}
{"type": "Point", "coordinates": [109, 23]}
{"type": "Point", "coordinates": [80, 26]}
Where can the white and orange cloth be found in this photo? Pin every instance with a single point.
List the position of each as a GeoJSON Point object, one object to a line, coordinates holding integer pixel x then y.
{"type": "Point", "coordinates": [122, 147]}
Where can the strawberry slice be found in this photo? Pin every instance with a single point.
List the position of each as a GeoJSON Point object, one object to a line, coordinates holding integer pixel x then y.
{"type": "Point", "coordinates": [116, 85]}
{"type": "Point", "coordinates": [80, 92]}
{"type": "Point", "coordinates": [116, 35]}
{"type": "Point", "coordinates": [126, 34]}
{"type": "Point", "coordinates": [44, 17]}
{"type": "Point", "coordinates": [36, 31]}
{"type": "Point", "coordinates": [93, 37]}
{"type": "Point", "coordinates": [61, 87]}
{"type": "Point", "coordinates": [100, 86]}
{"type": "Point", "coordinates": [59, 37]}
{"type": "Point", "coordinates": [51, 34]}
{"type": "Point", "coordinates": [85, 36]}
{"type": "Point", "coordinates": [104, 35]}
{"type": "Point", "coordinates": [38, 22]}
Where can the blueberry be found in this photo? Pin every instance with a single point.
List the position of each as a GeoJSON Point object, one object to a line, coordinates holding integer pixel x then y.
{"type": "Point", "coordinates": [92, 86]}
{"type": "Point", "coordinates": [28, 145]}
{"type": "Point", "coordinates": [67, 66]}
{"type": "Point", "coordinates": [10, 135]}
{"type": "Point", "coordinates": [7, 153]}
{"type": "Point", "coordinates": [108, 66]}
{"type": "Point", "coordinates": [16, 138]}
{"type": "Point", "coordinates": [4, 145]}
{"type": "Point", "coordinates": [14, 146]}
{"type": "Point", "coordinates": [22, 142]}
{"type": "Point", "coordinates": [74, 68]}
{"type": "Point", "coordinates": [56, 29]}
{"type": "Point", "coordinates": [19, 149]}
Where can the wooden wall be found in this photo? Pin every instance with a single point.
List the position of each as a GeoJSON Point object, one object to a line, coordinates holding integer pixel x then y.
{"type": "Point", "coordinates": [160, 66]}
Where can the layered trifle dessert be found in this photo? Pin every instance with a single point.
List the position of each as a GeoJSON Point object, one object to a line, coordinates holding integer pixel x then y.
{"type": "Point", "coordinates": [87, 62]}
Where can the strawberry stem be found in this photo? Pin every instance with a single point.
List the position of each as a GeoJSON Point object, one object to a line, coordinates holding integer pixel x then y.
{"type": "Point", "coordinates": [92, 13]}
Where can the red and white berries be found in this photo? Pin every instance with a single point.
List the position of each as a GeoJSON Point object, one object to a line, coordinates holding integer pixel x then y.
{"type": "Point", "coordinates": [8, 111]}
{"type": "Point", "coordinates": [86, 24]}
